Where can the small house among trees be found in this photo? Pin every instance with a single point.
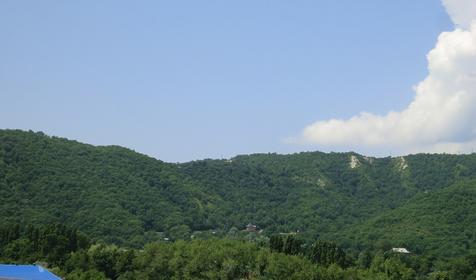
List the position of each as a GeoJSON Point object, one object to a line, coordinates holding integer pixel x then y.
{"type": "Point", "coordinates": [400, 250]}
{"type": "Point", "coordinates": [251, 228]}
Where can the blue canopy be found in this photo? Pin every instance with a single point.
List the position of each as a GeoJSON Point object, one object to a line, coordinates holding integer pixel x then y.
{"type": "Point", "coordinates": [26, 272]}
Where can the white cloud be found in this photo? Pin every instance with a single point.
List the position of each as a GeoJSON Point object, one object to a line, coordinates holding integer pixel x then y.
{"type": "Point", "coordinates": [462, 12]}
{"type": "Point", "coordinates": [442, 116]}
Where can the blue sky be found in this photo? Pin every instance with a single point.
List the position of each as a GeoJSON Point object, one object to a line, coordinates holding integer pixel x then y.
{"type": "Point", "coordinates": [184, 80]}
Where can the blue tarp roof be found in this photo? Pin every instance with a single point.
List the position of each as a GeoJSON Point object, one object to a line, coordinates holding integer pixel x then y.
{"type": "Point", "coordinates": [26, 272]}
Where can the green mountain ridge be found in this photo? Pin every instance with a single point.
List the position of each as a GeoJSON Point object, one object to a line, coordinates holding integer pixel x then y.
{"type": "Point", "coordinates": [120, 196]}
{"type": "Point", "coordinates": [443, 221]}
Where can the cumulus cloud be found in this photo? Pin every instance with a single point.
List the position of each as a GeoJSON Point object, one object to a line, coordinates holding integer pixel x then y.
{"type": "Point", "coordinates": [442, 116]}
{"type": "Point", "coordinates": [462, 12]}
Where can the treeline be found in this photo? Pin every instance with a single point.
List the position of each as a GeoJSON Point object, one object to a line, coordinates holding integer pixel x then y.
{"type": "Point", "coordinates": [72, 255]}
{"type": "Point", "coordinates": [49, 243]}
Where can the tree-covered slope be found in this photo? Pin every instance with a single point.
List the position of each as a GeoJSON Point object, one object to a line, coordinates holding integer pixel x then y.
{"type": "Point", "coordinates": [120, 196]}
{"type": "Point", "coordinates": [109, 192]}
{"type": "Point", "coordinates": [322, 194]}
{"type": "Point", "coordinates": [442, 222]}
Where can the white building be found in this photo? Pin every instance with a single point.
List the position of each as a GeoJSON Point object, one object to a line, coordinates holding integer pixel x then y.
{"type": "Point", "coordinates": [400, 250]}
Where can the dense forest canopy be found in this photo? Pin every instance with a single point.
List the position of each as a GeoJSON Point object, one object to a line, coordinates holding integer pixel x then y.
{"type": "Point", "coordinates": [72, 255]}
{"type": "Point", "coordinates": [423, 202]}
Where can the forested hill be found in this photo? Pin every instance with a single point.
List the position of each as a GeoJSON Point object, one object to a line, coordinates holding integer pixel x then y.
{"type": "Point", "coordinates": [119, 196]}
{"type": "Point", "coordinates": [109, 192]}
{"type": "Point", "coordinates": [442, 222]}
